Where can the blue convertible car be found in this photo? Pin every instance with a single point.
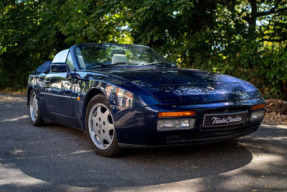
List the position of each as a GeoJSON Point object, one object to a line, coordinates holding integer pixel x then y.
{"type": "Point", "coordinates": [127, 95]}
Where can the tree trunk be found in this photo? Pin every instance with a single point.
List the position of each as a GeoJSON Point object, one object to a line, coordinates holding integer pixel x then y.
{"type": "Point", "coordinates": [252, 20]}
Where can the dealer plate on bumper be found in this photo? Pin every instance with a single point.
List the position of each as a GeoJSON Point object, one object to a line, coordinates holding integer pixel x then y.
{"type": "Point", "coordinates": [224, 119]}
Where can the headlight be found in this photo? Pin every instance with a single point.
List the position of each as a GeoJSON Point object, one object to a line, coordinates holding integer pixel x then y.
{"type": "Point", "coordinates": [175, 124]}
{"type": "Point", "coordinates": [257, 115]}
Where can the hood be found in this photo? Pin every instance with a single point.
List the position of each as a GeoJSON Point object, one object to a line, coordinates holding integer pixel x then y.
{"type": "Point", "coordinates": [185, 86]}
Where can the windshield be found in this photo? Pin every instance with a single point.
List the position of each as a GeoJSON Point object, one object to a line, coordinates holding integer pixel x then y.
{"type": "Point", "coordinates": [91, 56]}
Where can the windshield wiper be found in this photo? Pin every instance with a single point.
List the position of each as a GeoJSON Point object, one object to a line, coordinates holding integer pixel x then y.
{"type": "Point", "coordinates": [94, 65]}
{"type": "Point", "coordinates": [106, 65]}
{"type": "Point", "coordinates": [158, 63]}
{"type": "Point", "coordinates": [101, 65]}
{"type": "Point", "coordinates": [119, 63]}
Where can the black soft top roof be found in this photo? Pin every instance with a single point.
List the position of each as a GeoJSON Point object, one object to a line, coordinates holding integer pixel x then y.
{"type": "Point", "coordinates": [44, 68]}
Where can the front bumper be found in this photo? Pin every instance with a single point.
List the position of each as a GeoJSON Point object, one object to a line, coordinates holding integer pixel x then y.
{"type": "Point", "coordinates": [139, 127]}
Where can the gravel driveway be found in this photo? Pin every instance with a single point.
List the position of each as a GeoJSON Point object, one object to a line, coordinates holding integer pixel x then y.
{"type": "Point", "coordinates": [58, 158]}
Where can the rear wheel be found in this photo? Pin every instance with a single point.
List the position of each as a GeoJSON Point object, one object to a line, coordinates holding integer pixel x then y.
{"type": "Point", "coordinates": [101, 128]}
{"type": "Point", "coordinates": [35, 115]}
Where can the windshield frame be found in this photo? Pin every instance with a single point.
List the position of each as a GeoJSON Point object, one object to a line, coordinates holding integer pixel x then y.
{"type": "Point", "coordinates": [160, 58]}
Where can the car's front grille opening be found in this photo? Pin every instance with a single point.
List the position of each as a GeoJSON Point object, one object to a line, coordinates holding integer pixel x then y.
{"type": "Point", "coordinates": [222, 128]}
{"type": "Point", "coordinates": [205, 137]}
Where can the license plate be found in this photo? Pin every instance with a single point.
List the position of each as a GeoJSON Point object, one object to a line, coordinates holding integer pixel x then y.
{"type": "Point", "coordinates": [224, 119]}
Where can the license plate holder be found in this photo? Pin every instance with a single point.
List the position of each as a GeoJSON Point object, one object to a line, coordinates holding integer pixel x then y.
{"type": "Point", "coordinates": [224, 119]}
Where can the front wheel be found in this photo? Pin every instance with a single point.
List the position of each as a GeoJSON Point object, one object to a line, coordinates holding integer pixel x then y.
{"type": "Point", "coordinates": [35, 115]}
{"type": "Point", "coordinates": [101, 128]}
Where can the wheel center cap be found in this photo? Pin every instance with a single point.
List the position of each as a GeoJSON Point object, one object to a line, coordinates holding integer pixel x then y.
{"type": "Point", "coordinates": [100, 126]}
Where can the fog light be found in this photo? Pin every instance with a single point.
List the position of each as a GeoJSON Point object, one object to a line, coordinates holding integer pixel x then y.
{"type": "Point", "coordinates": [257, 115]}
{"type": "Point", "coordinates": [175, 124]}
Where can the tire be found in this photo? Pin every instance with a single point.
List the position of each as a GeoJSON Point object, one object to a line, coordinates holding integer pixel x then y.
{"type": "Point", "coordinates": [100, 127]}
{"type": "Point", "coordinates": [35, 115]}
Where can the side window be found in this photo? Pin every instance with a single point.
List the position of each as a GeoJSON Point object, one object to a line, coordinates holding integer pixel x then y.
{"type": "Point", "coordinates": [70, 62]}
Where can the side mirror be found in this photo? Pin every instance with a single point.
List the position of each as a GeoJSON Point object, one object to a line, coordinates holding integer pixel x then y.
{"type": "Point", "coordinates": [59, 68]}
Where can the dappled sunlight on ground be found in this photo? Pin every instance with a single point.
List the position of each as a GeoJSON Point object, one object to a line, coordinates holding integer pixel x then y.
{"type": "Point", "coordinates": [15, 119]}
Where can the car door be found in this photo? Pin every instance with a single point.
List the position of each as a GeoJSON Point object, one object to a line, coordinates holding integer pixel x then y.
{"type": "Point", "coordinates": [58, 87]}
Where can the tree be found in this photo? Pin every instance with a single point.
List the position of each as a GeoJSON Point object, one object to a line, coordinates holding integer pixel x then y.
{"type": "Point", "coordinates": [254, 36]}
{"type": "Point", "coordinates": [178, 29]}
{"type": "Point", "coordinates": [267, 12]}
{"type": "Point", "coordinates": [27, 39]}
{"type": "Point", "coordinates": [245, 38]}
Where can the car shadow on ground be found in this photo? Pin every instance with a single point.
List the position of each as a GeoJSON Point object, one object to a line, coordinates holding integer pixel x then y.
{"type": "Point", "coordinates": [61, 155]}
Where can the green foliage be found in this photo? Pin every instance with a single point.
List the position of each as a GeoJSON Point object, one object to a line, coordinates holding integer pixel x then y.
{"type": "Point", "coordinates": [177, 29]}
{"type": "Point", "coordinates": [246, 39]}
{"type": "Point", "coordinates": [262, 66]}
{"type": "Point", "coordinates": [27, 39]}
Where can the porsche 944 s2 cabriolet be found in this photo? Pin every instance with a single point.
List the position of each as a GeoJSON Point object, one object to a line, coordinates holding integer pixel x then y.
{"type": "Point", "coordinates": [129, 95]}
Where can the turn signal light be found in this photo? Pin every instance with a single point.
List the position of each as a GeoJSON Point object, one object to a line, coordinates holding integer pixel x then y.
{"type": "Point", "coordinates": [261, 106]}
{"type": "Point", "coordinates": [177, 114]}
